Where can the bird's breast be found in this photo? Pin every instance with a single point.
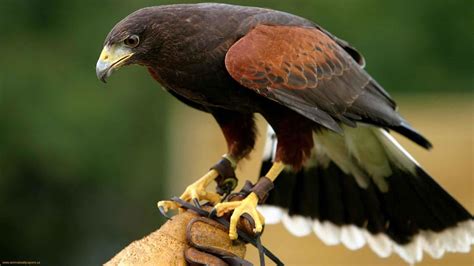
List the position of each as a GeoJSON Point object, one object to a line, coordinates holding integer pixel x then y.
{"type": "Point", "coordinates": [208, 88]}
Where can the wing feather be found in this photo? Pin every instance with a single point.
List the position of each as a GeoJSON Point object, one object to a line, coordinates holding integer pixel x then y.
{"type": "Point", "coordinates": [314, 74]}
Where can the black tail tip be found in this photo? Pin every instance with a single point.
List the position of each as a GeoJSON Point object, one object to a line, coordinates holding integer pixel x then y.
{"type": "Point", "coordinates": [407, 131]}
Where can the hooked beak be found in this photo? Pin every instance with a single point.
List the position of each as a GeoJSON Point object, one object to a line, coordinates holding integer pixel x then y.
{"type": "Point", "coordinates": [110, 59]}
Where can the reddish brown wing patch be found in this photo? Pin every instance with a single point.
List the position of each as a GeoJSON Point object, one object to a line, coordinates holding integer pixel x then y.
{"type": "Point", "coordinates": [305, 70]}
{"type": "Point", "coordinates": [284, 57]}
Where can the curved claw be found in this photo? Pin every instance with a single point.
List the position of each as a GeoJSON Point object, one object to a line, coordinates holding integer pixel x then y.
{"type": "Point", "coordinates": [163, 212]}
{"type": "Point", "coordinates": [247, 205]}
{"type": "Point", "coordinates": [213, 213]}
{"type": "Point", "coordinates": [196, 203]}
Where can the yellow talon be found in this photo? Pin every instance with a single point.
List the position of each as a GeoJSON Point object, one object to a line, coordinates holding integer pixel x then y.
{"type": "Point", "coordinates": [197, 190]}
{"type": "Point", "coordinates": [247, 205]}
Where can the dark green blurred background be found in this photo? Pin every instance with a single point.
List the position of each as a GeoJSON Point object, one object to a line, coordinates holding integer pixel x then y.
{"type": "Point", "coordinates": [82, 164]}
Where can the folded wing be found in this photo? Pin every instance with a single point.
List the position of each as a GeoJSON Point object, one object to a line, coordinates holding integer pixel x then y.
{"type": "Point", "coordinates": [309, 72]}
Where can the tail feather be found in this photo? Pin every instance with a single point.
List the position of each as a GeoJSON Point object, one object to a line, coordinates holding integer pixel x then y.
{"type": "Point", "coordinates": [406, 130]}
{"type": "Point", "coordinates": [408, 214]}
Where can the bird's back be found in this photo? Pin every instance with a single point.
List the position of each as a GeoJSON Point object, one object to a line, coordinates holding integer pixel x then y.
{"type": "Point", "coordinates": [200, 31]}
{"type": "Point", "coordinates": [197, 38]}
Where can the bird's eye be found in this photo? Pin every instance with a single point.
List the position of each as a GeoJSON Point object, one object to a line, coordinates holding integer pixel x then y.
{"type": "Point", "coordinates": [132, 41]}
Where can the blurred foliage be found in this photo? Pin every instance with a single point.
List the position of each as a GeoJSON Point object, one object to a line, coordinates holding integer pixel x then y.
{"type": "Point", "coordinates": [82, 164]}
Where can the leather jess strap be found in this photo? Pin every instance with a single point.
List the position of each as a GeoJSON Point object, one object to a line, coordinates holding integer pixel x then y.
{"type": "Point", "coordinates": [207, 252]}
{"type": "Point", "coordinates": [226, 181]}
{"type": "Point", "coordinates": [261, 188]}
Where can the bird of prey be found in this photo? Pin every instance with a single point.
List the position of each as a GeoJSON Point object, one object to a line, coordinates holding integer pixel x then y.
{"type": "Point", "coordinates": [342, 175]}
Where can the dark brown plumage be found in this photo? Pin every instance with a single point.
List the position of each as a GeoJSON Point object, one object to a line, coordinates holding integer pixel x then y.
{"type": "Point", "coordinates": [234, 61]}
{"type": "Point", "coordinates": [288, 60]}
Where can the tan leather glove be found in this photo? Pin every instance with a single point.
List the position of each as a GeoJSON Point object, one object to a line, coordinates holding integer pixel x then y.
{"type": "Point", "coordinates": [186, 236]}
{"type": "Point", "coordinates": [191, 239]}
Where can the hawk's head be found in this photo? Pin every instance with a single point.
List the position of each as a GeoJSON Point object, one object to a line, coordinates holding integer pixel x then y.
{"type": "Point", "coordinates": [134, 40]}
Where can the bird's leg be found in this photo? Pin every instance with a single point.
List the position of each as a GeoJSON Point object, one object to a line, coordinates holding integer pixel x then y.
{"type": "Point", "coordinates": [197, 190]}
{"type": "Point", "coordinates": [275, 171]}
{"type": "Point", "coordinates": [249, 204]}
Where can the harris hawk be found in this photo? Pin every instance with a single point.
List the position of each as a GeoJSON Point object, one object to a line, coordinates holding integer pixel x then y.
{"type": "Point", "coordinates": [336, 169]}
